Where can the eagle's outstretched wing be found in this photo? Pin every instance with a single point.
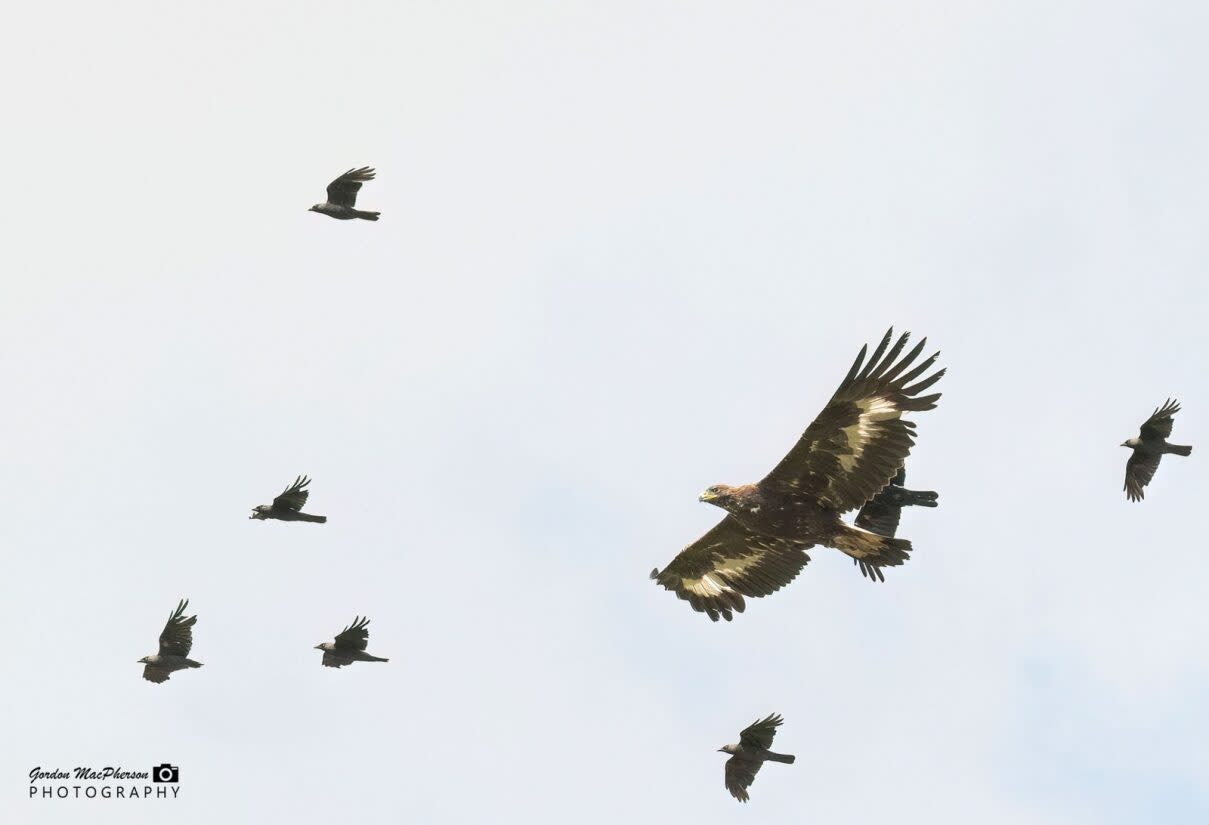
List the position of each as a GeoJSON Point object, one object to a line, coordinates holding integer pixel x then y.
{"type": "Point", "coordinates": [343, 190]}
{"type": "Point", "coordinates": [294, 496]}
{"type": "Point", "coordinates": [177, 636]}
{"type": "Point", "coordinates": [355, 636]}
{"type": "Point", "coordinates": [715, 572]}
{"type": "Point", "coordinates": [1160, 421]}
{"type": "Point", "coordinates": [860, 440]}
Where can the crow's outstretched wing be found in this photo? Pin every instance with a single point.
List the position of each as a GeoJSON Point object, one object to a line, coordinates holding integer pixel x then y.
{"type": "Point", "coordinates": [1160, 421]}
{"type": "Point", "coordinates": [1139, 469]}
{"type": "Point", "coordinates": [860, 440]}
{"type": "Point", "coordinates": [294, 496]}
{"type": "Point", "coordinates": [153, 673]}
{"type": "Point", "coordinates": [343, 190]}
{"type": "Point", "coordinates": [177, 637]}
{"type": "Point", "coordinates": [715, 572]}
{"type": "Point", "coordinates": [880, 514]}
{"type": "Point", "coordinates": [759, 734]}
{"type": "Point", "coordinates": [740, 773]}
{"type": "Point", "coordinates": [335, 659]}
{"type": "Point", "coordinates": [355, 636]}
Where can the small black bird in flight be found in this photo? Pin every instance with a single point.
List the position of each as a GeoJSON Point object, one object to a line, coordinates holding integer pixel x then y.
{"type": "Point", "coordinates": [175, 642]}
{"type": "Point", "coordinates": [342, 196]}
{"type": "Point", "coordinates": [349, 646]}
{"type": "Point", "coordinates": [750, 754]}
{"type": "Point", "coordinates": [288, 505]}
{"type": "Point", "coordinates": [845, 457]}
{"type": "Point", "coordinates": [1148, 448]}
{"type": "Point", "coordinates": [881, 513]}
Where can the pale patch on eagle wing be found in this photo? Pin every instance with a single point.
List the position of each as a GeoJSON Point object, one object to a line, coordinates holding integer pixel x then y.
{"type": "Point", "coordinates": [853, 447]}
{"type": "Point", "coordinates": [713, 584]}
{"type": "Point", "coordinates": [860, 433]}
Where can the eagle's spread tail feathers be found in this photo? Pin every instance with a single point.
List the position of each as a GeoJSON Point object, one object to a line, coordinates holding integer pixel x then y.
{"type": "Point", "coordinates": [1178, 449]}
{"type": "Point", "coordinates": [870, 551]}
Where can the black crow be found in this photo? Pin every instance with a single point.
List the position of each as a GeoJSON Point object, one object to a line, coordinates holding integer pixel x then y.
{"type": "Point", "coordinates": [1148, 448]}
{"type": "Point", "coordinates": [750, 754]}
{"type": "Point", "coordinates": [349, 646]}
{"type": "Point", "coordinates": [288, 505]}
{"type": "Point", "coordinates": [175, 642]}
{"type": "Point", "coordinates": [881, 513]}
{"type": "Point", "coordinates": [342, 196]}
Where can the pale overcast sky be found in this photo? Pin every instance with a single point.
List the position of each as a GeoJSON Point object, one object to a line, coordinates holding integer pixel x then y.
{"type": "Point", "coordinates": [627, 250]}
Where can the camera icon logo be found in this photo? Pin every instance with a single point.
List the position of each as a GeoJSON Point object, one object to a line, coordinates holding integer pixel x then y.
{"type": "Point", "coordinates": [166, 773]}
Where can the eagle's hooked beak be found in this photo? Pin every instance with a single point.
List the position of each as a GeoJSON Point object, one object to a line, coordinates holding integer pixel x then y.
{"type": "Point", "coordinates": [707, 496]}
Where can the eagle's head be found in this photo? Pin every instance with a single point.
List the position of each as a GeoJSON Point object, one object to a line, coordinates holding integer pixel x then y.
{"type": "Point", "coordinates": [721, 495]}
{"type": "Point", "coordinates": [1131, 442]}
{"type": "Point", "coordinates": [718, 495]}
{"type": "Point", "coordinates": [727, 749]}
{"type": "Point", "coordinates": [146, 660]}
{"type": "Point", "coordinates": [323, 646]}
{"type": "Point", "coordinates": [737, 501]}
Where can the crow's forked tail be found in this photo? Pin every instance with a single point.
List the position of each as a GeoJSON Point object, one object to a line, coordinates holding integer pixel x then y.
{"type": "Point", "coordinates": [368, 216]}
{"type": "Point", "coordinates": [1178, 449]}
{"type": "Point", "coordinates": [785, 758]}
{"type": "Point", "coordinates": [871, 551]}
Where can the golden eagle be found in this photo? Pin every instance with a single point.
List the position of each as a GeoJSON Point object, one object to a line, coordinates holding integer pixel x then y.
{"type": "Point", "coordinates": [847, 455]}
